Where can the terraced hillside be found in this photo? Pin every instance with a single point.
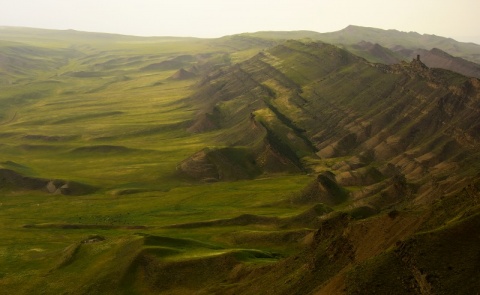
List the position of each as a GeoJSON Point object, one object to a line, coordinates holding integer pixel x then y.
{"type": "Point", "coordinates": [239, 165]}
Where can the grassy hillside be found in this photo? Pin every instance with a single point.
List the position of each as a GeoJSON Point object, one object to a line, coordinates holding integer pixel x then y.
{"type": "Point", "coordinates": [110, 113]}
{"type": "Point", "coordinates": [239, 165]}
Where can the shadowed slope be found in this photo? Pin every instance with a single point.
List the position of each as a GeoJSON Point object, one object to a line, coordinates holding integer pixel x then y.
{"type": "Point", "coordinates": [11, 180]}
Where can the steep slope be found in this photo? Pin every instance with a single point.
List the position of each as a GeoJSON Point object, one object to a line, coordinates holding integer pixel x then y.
{"type": "Point", "coordinates": [255, 104]}
{"type": "Point", "coordinates": [310, 97]}
{"type": "Point", "coordinates": [402, 146]}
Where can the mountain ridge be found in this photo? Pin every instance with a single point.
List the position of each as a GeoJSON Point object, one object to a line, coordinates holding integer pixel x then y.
{"type": "Point", "coordinates": [257, 72]}
{"type": "Point", "coordinates": [352, 35]}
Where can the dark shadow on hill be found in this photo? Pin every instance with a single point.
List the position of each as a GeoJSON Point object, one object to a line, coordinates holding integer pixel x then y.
{"type": "Point", "coordinates": [229, 164]}
{"type": "Point", "coordinates": [309, 218]}
{"type": "Point", "coordinates": [12, 181]}
{"type": "Point", "coordinates": [102, 149]}
{"type": "Point", "coordinates": [324, 189]}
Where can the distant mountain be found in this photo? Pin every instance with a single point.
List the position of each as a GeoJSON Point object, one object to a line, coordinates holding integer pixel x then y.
{"type": "Point", "coordinates": [351, 36]}
{"type": "Point", "coordinates": [56, 37]}
{"type": "Point", "coordinates": [375, 53]}
{"type": "Point", "coordinates": [392, 38]}
{"type": "Point", "coordinates": [285, 35]}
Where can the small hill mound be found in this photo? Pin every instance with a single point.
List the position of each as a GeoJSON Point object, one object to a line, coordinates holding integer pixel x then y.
{"type": "Point", "coordinates": [11, 180]}
{"type": "Point", "coordinates": [153, 275]}
{"type": "Point", "coordinates": [220, 165]}
{"type": "Point", "coordinates": [235, 163]}
{"type": "Point", "coordinates": [183, 74]}
{"type": "Point", "coordinates": [324, 189]}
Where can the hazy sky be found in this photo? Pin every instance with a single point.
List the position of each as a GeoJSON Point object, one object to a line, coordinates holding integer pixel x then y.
{"type": "Point", "coordinates": [459, 19]}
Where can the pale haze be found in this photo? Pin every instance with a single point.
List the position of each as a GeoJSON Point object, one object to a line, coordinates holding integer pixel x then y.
{"type": "Point", "coordinates": [215, 18]}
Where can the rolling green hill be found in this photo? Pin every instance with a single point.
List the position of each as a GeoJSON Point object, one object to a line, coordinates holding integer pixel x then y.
{"type": "Point", "coordinates": [246, 164]}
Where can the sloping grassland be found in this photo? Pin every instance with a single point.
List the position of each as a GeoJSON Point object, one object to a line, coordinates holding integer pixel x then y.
{"type": "Point", "coordinates": [241, 165]}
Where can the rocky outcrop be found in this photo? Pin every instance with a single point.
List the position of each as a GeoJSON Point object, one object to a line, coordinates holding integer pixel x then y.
{"type": "Point", "coordinates": [437, 58]}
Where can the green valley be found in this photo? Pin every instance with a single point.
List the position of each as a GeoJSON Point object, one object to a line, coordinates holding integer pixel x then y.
{"type": "Point", "coordinates": [264, 163]}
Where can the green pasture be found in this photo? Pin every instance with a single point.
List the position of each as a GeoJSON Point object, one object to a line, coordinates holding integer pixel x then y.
{"type": "Point", "coordinates": [36, 236]}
